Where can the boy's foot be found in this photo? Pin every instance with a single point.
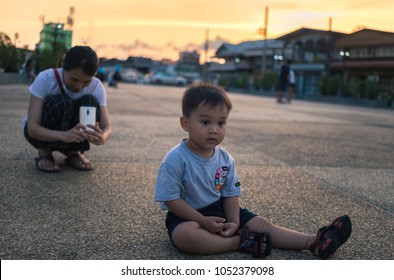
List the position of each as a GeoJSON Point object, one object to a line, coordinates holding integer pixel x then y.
{"type": "Point", "coordinates": [331, 237]}
{"type": "Point", "coordinates": [79, 162]}
{"type": "Point", "coordinates": [46, 163]}
{"type": "Point", "coordinates": [258, 244]}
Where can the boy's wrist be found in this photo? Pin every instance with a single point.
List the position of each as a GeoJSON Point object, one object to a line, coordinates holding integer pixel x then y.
{"type": "Point", "coordinates": [201, 220]}
{"type": "Point", "coordinates": [233, 222]}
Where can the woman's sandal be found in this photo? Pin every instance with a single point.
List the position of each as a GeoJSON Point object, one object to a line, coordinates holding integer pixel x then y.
{"type": "Point", "coordinates": [331, 237]}
{"type": "Point", "coordinates": [250, 242]}
{"type": "Point", "coordinates": [50, 159]}
{"type": "Point", "coordinates": [77, 161]}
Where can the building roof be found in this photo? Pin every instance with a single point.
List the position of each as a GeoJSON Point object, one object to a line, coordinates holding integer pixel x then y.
{"type": "Point", "coordinates": [307, 31]}
{"type": "Point", "coordinates": [365, 38]}
{"type": "Point", "coordinates": [229, 66]}
{"type": "Point", "coordinates": [243, 48]}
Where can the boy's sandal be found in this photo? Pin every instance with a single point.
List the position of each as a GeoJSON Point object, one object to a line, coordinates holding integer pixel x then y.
{"type": "Point", "coordinates": [251, 241]}
{"type": "Point", "coordinates": [331, 237]}
{"type": "Point", "coordinates": [50, 159]}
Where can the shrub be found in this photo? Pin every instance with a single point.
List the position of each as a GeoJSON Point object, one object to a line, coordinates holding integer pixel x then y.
{"type": "Point", "coordinates": [268, 80]}
{"type": "Point", "coordinates": [10, 56]}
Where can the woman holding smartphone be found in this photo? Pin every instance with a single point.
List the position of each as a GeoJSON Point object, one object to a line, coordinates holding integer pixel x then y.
{"type": "Point", "coordinates": [53, 118]}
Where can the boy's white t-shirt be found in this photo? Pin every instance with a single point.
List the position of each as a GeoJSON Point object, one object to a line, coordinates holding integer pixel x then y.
{"type": "Point", "coordinates": [45, 84]}
{"type": "Point", "coordinates": [199, 181]}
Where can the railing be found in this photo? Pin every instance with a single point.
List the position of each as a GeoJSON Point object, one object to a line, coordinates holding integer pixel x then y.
{"type": "Point", "coordinates": [12, 78]}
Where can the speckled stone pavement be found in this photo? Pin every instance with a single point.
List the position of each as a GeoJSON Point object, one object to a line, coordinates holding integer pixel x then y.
{"type": "Point", "coordinates": [301, 165]}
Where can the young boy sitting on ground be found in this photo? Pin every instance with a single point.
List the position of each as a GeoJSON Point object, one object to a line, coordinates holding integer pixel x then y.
{"type": "Point", "coordinates": [198, 185]}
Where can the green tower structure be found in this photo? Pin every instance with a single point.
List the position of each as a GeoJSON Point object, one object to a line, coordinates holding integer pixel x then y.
{"type": "Point", "coordinates": [53, 35]}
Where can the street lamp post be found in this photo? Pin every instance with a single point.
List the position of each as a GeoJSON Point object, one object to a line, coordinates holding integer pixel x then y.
{"type": "Point", "coordinates": [344, 54]}
{"type": "Point", "coordinates": [265, 33]}
{"type": "Point", "coordinates": [56, 27]}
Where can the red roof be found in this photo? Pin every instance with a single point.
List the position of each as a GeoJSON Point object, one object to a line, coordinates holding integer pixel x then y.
{"type": "Point", "coordinates": [365, 38]}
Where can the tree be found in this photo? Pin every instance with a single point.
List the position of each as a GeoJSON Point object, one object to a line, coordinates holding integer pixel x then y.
{"type": "Point", "coordinates": [10, 56]}
{"type": "Point", "coordinates": [46, 58]}
{"type": "Point", "coordinates": [269, 80]}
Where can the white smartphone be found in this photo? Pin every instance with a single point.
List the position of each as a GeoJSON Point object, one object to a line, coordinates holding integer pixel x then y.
{"type": "Point", "coordinates": [87, 115]}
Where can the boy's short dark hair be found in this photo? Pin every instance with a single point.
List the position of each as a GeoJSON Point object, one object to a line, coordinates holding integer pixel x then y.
{"type": "Point", "coordinates": [81, 57]}
{"type": "Point", "coordinates": [206, 94]}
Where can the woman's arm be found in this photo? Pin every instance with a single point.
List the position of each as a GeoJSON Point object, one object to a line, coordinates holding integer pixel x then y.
{"type": "Point", "coordinates": [37, 131]}
{"type": "Point", "coordinates": [105, 123]}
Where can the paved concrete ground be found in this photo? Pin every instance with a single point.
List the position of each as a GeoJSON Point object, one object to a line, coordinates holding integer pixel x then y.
{"type": "Point", "coordinates": [301, 165]}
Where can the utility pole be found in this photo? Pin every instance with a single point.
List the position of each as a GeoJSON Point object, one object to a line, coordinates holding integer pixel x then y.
{"type": "Point", "coordinates": [329, 45]}
{"type": "Point", "coordinates": [265, 32]}
{"type": "Point", "coordinates": [206, 55]}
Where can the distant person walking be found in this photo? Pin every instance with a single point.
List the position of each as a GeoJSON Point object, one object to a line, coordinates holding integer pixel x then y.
{"type": "Point", "coordinates": [115, 77]}
{"type": "Point", "coordinates": [283, 81]}
{"type": "Point", "coordinates": [292, 84]}
{"type": "Point", "coordinates": [29, 71]}
{"type": "Point", "coordinates": [52, 121]}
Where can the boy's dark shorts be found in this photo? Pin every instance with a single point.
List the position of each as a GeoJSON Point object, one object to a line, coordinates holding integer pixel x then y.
{"type": "Point", "coordinates": [215, 209]}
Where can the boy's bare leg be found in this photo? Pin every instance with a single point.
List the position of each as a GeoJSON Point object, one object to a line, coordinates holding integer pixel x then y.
{"type": "Point", "coordinates": [190, 237]}
{"type": "Point", "coordinates": [282, 238]}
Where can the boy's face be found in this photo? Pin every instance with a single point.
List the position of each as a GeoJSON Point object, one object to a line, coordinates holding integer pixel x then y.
{"type": "Point", "coordinates": [206, 127]}
{"type": "Point", "coordinates": [76, 79]}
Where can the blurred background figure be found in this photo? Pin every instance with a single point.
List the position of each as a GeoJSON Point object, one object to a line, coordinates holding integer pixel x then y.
{"type": "Point", "coordinates": [292, 83]}
{"type": "Point", "coordinates": [29, 71]}
{"type": "Point", "coordinates": [114, 78]}
{"type": "Point", "coordinates": [283, 81]}
{"type": "Point", "coordinates": [101, 74]}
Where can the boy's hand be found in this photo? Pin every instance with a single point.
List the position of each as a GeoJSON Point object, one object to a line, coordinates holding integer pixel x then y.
{"type": "Point", "coordinates": [213, 224]}
{"type": "Point", "coordinates": [229, 229]}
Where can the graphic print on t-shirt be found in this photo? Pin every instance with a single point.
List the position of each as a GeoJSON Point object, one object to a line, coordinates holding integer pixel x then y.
{"type": "Point", "coordinates": [220, 177]}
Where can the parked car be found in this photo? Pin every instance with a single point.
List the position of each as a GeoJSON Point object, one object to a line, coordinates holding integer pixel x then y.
{"type": "Point", "coordinates": [147, 79]}
{"type": "Point", "coordinates": [129, 77]}
{"type": "Point", "coordinates": [167, 78]}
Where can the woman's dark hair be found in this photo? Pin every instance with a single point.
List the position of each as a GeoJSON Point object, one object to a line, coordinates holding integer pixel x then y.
{"type": "Point", "coordinates": [81, 57]}
{"type": "Point", "coordinates": [206, 94]}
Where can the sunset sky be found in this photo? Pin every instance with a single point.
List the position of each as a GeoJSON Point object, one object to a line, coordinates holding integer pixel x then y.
{"type": "Point", "coordinates": [162, 28]}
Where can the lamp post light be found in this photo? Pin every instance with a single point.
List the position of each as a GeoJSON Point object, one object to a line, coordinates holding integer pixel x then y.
{"type": "Point", "coordinates": [278, 60]}
{"type": "Point", "coordinates": [344, 54]}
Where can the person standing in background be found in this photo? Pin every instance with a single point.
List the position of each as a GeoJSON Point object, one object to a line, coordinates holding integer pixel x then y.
{"type": "Point", "coordinates": [292, 83]}
{"type": "Point", "coordinates": [283, 81]}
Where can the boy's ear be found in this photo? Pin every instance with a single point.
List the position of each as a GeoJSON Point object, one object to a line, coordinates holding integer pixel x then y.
{"type": "Point", "coordinates": [183, 122]}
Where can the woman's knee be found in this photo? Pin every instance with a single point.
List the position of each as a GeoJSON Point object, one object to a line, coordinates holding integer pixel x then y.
{"type": "Point", "coordinates": [57, 104]}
